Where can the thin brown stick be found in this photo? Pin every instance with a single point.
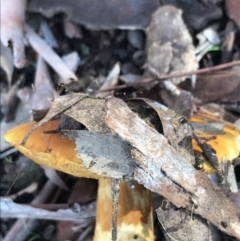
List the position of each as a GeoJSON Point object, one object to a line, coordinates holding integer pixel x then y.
{"type": "Point", "coordinates": [170, 76]}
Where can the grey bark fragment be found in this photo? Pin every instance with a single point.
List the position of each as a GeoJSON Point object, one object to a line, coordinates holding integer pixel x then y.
{"type": "Point", "coordinates": [104, 154]}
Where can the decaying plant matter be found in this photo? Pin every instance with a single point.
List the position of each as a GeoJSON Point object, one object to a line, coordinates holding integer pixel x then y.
{"type": "Point", "coordinates": [169, 46]}
{"type": "Point", "coordinates": [160, 164]}
{"type": "Point", "coordinates": [137, 146]}
{"type": "Point", "coordinates": [196, 189]}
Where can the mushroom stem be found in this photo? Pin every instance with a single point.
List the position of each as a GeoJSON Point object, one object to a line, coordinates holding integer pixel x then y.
{"type": "Point", "coordinates": [134, 220]}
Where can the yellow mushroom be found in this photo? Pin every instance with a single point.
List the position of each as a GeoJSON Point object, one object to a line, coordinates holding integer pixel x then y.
{"type": "Point", "coordinates": [54, 151]}
{"type": "Point", "coordinates": [226, 144]}
{"type": "Point", "coordinates": [134, 206]}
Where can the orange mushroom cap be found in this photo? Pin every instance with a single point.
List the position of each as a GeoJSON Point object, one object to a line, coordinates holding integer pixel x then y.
{"type": "Point", "coordinates": [58, 152]}
{"type": "Point", "coordinates": [50, 150]}
{"type": "Point", "coordinates": [226, 145]}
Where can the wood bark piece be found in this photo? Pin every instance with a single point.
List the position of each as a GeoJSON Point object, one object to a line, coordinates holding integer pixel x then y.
{"type": "Point", "coordinates": [161, 167]}
{"type": "Point", "coordinates": [105, 154]}
{"type": "Point", "coordinates": [178, 223]}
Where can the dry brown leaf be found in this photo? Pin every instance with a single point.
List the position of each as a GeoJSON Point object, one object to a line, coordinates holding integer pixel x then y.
{"type": "Point", "coordinates": [179, 226]}
{"type": "Point", "coordinates": [81, 107]}
{"type": "Point", "coordinates": [107, 14]}
{"type": "Point", "coordinates": [90, 112]}
{"type": "Point", "coordinates": [125, 14]}
{"type": "Point", "coordinates": [222, 85]}
{"type": "Point", "coordinates": [233, 10]}
{"type": "Point", "coordinates": [169, 45]}
{"type": "Point", "coordinates": [59, 105]}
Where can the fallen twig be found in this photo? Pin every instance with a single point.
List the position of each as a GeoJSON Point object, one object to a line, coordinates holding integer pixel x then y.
{"type": "Point", "coordinates": [17, 229]}
{"type": "Point", "coordinates": [170, 76]}
{"type": "Point", "coordinates": [9, 209]}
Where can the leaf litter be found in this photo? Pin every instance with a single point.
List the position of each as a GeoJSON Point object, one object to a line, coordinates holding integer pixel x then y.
{"type": "Point", "coordinates": [174, 132]}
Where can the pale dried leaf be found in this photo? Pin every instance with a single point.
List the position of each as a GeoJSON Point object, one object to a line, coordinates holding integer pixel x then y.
{"type": "Point", "coordinates": [110, 81]}
{"type": "Point", "coordinates": [48, 54]}
{"type": "Point", "coordinates": [176, 129]}
{"type": "Point", "coordinates": [179, 133]}
{"type": "Point", "coordinates": [72, 60]}
{"type": "Point", "coordinates": [85, 109]}
{"type": "Point", "coordinates": [48, 35]}
{"type": "Point", "coordinates": [43, 89]}
{"type": "Point", "coordinates": [6, 60]}
{"type": "Point", "coordinates": [237, 123]}
{"type": "Point", "coordinates": [12, 18]}
{"type": "Point", "coordinates": [166, 116]}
